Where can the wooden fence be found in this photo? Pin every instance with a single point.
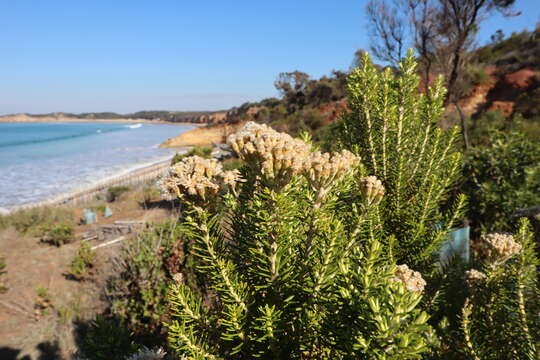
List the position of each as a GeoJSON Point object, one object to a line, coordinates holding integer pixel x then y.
{"type": "Point", "coordinates": [85, 194]}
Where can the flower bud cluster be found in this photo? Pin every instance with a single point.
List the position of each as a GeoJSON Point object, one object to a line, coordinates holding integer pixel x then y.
{"type": "Point", "coordinates": [276, 155]}
{"type": "Point", "coordinates": [412, 280]}
{"type": "Point", "coordinates": [322, 169]}
{"type": "Point", "coordinates": [196, 178]}
{"type": "Point", "coordinates": [372, 189]}
{"type": "Point", "coordinates": [473, 277]}
{"type": "Point", "coordinates": [497, 246]}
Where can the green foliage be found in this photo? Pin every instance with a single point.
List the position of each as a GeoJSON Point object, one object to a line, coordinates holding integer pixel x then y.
{"type": "Point", "coordinates": [32, 221]}
{"type": "Point", "coordinates": [517, 51]}
{"type": "Point", "coordinates": [393, 127]}
{"type": "Point", "coordinates": [106, 339]}
{"type": "Point", "coordinates": [202, 151]}
{"type": "Point", "coordinates": [114, 192]}
{"type": "Point", "coordinates": [298, 90]}
{"type": "Point", "coordinates": [83, 262]}
{"type": "Point", "coordinates": [501, 177]}
{"type": "Point", "coordinates": [58, 234]}
{"type": "Point", "coordinates": [3, 287]}
{"type": "Point", "coordinates": [500, 316]}
{"type": "Point", "coordinates": [100, 209]}
{"type": "Point", "coordinates": [42, 292]}
{"type": "Point", "coordinates": [232, 164]}
{"type": "Point", "coordinates": [149, 194]}
{"type": "Point", "coordinates": [137, 290]}
{"type": "Point", "coordinates": [306, 119]}
{"type": "Point", "coordinates": [528, 103]}
{"type": "Point", "coordinates": [483, 128]}
{"type": "Point", "coordinates": [295, 267]}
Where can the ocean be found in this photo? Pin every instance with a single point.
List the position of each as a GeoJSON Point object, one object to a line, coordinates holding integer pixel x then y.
{"type": "Point", "coordinates": [41, 160]}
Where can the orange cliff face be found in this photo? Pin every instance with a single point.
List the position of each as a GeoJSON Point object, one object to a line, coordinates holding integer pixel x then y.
{"type": "Point", "coordinates": [499, 93]}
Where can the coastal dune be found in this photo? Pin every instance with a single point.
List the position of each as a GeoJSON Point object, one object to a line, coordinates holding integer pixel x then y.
{"type": "Point", "coordinates": [203, 136]}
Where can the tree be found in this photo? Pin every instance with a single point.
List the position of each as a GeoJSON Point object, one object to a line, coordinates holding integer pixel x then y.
{"type": "Point", "coordinates": [389, 29]}
{"type": "Point", "coordinates": [442, 32]}
{"type": "Point", "coordinates": [293, 87]}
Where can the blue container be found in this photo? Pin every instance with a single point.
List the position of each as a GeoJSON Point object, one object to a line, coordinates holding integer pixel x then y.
{"type": "Point", "coordinates": [108, 212]}
{"type": "Point", "coordinates": [457, 244]}
{"type": "Point", "coordinates": [89, 216]}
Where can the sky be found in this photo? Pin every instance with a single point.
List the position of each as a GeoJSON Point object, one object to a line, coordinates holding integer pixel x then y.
{"type": "Point", "coordinates": [126, 56]}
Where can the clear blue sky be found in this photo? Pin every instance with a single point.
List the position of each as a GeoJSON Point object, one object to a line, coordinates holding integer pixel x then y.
{"type": "Point", "coordinates": [124, 56]}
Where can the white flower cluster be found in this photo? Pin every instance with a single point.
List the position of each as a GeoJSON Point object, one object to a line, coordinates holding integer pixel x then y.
{"type": "Point", "coordinates": [148, 354]}
{"type": "Point", "coordinates": [473, 277]}
{"type": "Point", "coordinates": [322, 169]}
{"type": "Point", "coordinates": [276, 155]}
{"type": "Point", "coordinates": [497, 246]}
{"type": "Point", "coordinates": [372, 189]}
{"type": "Point", "coordinates": [279, 157]}
{"type": "Point", "coordinates": [412, 280]}
{"type": "Point", "coordinates": [196, 178]}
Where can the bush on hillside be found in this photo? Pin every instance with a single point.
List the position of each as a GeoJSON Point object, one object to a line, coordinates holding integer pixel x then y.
{"type": "Point", "coordinates": [105, 339]}
{"type": "Point", "coordinates": [83, 262]}
{"type": "Point", "coordinates": [114, 192]}
{"type": "Point", "coordinates": [501, 177]}
{"type": "Point", "coordinates": [58, 234]}
{"type": "Point", "coordinates": [138, 288]}
{"type": "Point", "coordinates": [33, 221]}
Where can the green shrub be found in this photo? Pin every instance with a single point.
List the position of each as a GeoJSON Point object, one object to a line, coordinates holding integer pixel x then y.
{"type": "Point", "coordinates": [99, 209]}
{"type": "Point", "coordinates": [501, 177]}
{"type": "Point", "coordinates": [138, 288]}
{"type": "Point", "coordinates": [394, 128]}
{"type": "Point", "coordinates": [499, 319]}
{"type": "Point", "coordinates": [58, 234]}
{"type": "Point", "coordinates": [114, 192]}
{"type": "Point", "coordinates": [202, 151]}
{"type": "Point", "coordinates": [33, 221]}
{"type": "Point", "coordinates": [106, 339]}
{"type": "Point", "coordinates": [232, 164]}
{"type": "Point", "coordinates": [294, 259]}
{"type": "Point", "coordinates": [150, 194]}
{"type": "Point", "coordinates": [83, 262]}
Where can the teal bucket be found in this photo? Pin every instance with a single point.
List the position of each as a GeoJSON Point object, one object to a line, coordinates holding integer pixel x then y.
{"type": "Point", "coordinates": [457, 244]}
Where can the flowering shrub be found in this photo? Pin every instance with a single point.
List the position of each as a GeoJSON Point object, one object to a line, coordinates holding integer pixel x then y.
{"type": "Point", "coordinates": [500, 315]}
{"type": "Point", "coordinates": [293, 268]}
{"type": "Point", "coordinates": [394, 128]}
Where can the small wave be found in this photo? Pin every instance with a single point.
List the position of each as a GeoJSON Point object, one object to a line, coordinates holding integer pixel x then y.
{"type": "Point", "coordinates": [99, 131]}
{"type": "Point", "coordinates": [135, 126]}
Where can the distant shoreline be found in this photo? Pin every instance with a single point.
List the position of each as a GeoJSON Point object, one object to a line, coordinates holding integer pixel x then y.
{"type": "Point", "coordinates": [15, 119]}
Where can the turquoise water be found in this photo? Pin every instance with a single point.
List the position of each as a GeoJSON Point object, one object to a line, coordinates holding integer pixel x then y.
{"type": "Point", "coordinates": [40, 160]}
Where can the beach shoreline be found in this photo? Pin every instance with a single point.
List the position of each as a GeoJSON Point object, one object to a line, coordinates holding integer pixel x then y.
{"type": "Point", "coordinates": [130, 175]}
